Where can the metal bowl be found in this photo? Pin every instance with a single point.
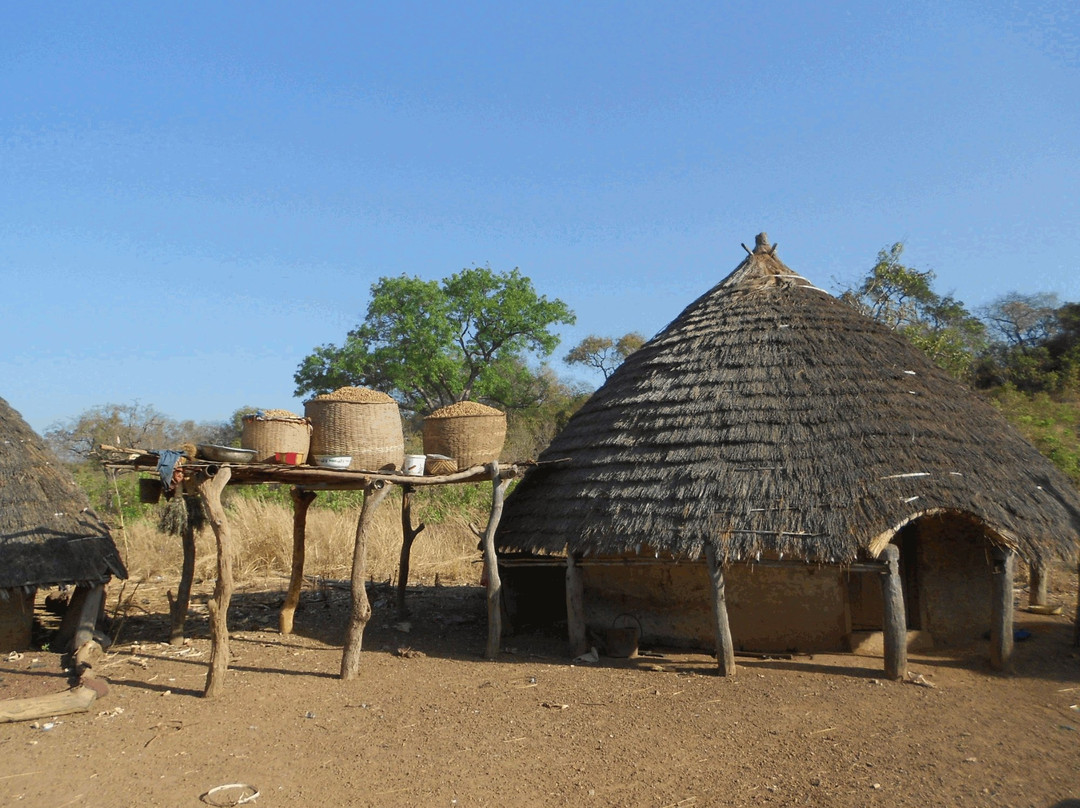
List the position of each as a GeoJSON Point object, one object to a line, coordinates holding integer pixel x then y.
{"type": "Point", "coordinates": [225, 454]}
{"type": "Point", "coordinates": [339, 462]}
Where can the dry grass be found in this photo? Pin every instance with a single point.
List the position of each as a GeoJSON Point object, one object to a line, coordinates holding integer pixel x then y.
{"type": "Point", "coordinates": [262, 536]}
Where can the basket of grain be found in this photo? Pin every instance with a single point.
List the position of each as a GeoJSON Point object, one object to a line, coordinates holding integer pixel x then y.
{"type": "Point", "coordinates": [277, 433]}
{"type": "Point", "coordinates": [359, 422]}
{"type": "Point", "coordinates": [470, 433]}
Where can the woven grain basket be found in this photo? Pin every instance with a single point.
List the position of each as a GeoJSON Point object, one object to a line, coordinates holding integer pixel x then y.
{"type": "Point", "coordinates": [369, 431]}
{"type": "Point", "coordinates": [270, 435]}
{"type": "Point", "coordinates": [471, 439]}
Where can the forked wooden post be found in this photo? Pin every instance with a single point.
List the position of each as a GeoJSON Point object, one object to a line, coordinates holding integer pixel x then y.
{"type": "Point", "coordinates": [725, 647]}
{"type": "Point", "coordinates": [408, 536]}
{"type": "Point", "coordinates": [301, 499]}
{"type": "Point", "coordinates": [575, 607]}
{"type": "Point", "coordinates": [894, 619]}
{"type": "Point", "coordinates": [491, 565]}
{"type": "Point", "coordinates": [1001, 609]}
{"type": "Point", "coordinates": [210, 489]}
{"type": "Point", "coordinates": [178, 607]}
{"type": "Point", "coordinates": [360, 612]}
{"type": "Point", "coordinates": [1038, 584]}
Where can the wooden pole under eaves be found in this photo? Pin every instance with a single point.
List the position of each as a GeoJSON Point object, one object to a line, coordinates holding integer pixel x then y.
{"type": "Point", "coordinates": [178, 606]}
{"type": "Point", "coordinates": [1001, 609]}
{"type": "Point", "coordinates": [1038, 584]}
{"type": "Point", "coordinates": [725, 647]}
{"type": "Point", "coordinates": [894, 620]}
{"type": "Point", "coordinates": [575, 607]}
{"type": "Point", "coordinates": [491, 564]}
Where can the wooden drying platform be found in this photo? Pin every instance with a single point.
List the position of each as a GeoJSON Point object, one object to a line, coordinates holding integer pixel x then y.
{"type": "Point", "coordinates": [207, 480]}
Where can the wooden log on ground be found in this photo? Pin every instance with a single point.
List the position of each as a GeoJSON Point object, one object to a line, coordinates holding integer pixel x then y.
{"type": "Point", "coordinates": [894, 619]}
{"type": "Point", "coordinates": [1038, 584]}
{"type": "Point", "coordinates": [302, 499]}
{"type": "Point", "coordinates": [76, 700]}
{"type": "Point", "coordinates": [210, 489]}
{"type": "Point", "coordinates": [491, 565]}
{"type": "Point", "coordinates": [408, 536]}
{"type": "Point", "coordinates": [1001, 608]}
{"type": "Point", "coordinates": [360, 611]}
{"type": "Point", "coordinates": [575, 607]}
{"type": "Point", "coordinates": [178, 606]}
{"type": "Point", "coordinates": [725, 647]}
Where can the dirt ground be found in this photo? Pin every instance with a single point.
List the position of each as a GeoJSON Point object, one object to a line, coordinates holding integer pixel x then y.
{"type": "Point", "coordinates": [431, 723]}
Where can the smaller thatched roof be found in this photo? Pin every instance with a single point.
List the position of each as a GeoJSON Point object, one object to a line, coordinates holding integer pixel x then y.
{"type": "Point", "coordinates": [772, 418]}
{"type": "Point", "coordinates": [48, 533]}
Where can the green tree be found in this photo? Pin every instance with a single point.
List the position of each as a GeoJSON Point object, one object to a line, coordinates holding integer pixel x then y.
{"type": "Point", "coordinates": [903, 298]}
{"type": "Point", "coordinates": [432, 343]}
{"type": "Point", "coordinates": [603, 353]}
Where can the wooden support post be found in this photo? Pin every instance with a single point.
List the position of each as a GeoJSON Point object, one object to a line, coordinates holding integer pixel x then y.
{"type": "Point", "coordinates": [360, 611]}
{"type": "Point", "coordinates": [1038, 584]}
{"type": "Point", "coordinates": [575, 607]}
{"type": "Point", "coordinates": [894, 621]}
{"type": "Point", "coordinates": [91, 610]}
{"type": "Point", "coordinates": [301, 499]}
{"type": "Point", "coordinates": [725, 647]}
{"type": "Point", "coordinates": [178, 606]}
{"type": "Point", "coordinates": [210, 489]}
{"type": "Point", "coordinates": [1001, 609]}
{"type": "Point", "coordinates": [408, 536]}
{"type": "Point", "coordinates": [491, 566]}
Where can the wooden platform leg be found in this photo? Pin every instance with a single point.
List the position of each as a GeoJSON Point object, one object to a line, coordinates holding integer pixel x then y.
{"type": "Point", "coordinates": [491, 564]}
{"type": "Point", "coordinates": [178, 606]}
{"type": "Point", "coordinates": [1001, 609]}
{"type": "Point", "coordinates": [408, 536]}
{"type": "Point", "coordinates": [725, 647]}
{"type": "Point", "coordinates": [575, 607]}
{"type": "Point", "coordinates": [302, 499]}
{"type": "Point", "coordinates": [210, 489]}
{"type": "Point", "coordinates": [360, 612]}
{"type": "Point", "coordinates": [894, 620]}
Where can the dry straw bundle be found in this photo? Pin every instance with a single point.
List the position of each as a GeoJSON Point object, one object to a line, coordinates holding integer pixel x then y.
{"type": "Point", "coordinates": [273, 432]}
{"type": "Point", "coordinates": [469, 432]}
{"type": "Point", "coordinates": [359, 422]}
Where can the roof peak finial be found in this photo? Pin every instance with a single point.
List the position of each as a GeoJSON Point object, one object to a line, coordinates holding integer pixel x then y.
{"type": "Point", "coordinates": [761, 244]}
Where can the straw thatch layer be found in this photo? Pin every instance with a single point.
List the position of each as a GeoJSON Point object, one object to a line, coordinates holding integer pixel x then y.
{"type": "Point", "coordinates": [48, 533]}
{"type": "Point", "coordinates": [771, 418]}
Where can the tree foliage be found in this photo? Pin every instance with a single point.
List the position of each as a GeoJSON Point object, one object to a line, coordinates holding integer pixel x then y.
{"type": "Point", "coordinates": [604, 353]}
{"type": "Point", "coordinates": [904, 299]}
{"type": "Point", "coordinates": [432, 343]}
{"type": "Point", "coordinates": [132, 425]}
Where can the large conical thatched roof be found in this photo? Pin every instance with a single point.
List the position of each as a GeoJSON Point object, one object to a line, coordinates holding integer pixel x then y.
{"type": "Point", "coordinates": [48, 534]}
{"type": "Point", "coordinates": [770, 417]}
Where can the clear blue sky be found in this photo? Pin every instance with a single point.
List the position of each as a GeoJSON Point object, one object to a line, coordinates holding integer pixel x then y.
{"type": "Point", "coordinates": [195, 195]}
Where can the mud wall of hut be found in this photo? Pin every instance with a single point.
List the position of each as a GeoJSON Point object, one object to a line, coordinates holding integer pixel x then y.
{"type": "Point", "coordinates": [770, 609]}
{"type": "Point", "coordinates": [16, 619]}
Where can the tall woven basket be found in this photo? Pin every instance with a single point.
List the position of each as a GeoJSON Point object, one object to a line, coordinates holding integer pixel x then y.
{"type": "Point", "coordinates": [270, 435]}
{"type": "Point", "coordinates": [359, 422]}
{"type": "Point", "coordinates": [469, 432]}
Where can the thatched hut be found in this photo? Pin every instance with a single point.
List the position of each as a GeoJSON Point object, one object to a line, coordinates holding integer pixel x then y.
{"type": "Point", "coordinates": [49, 536]}
{"type": "Point", "coordinates": [780, 434]}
